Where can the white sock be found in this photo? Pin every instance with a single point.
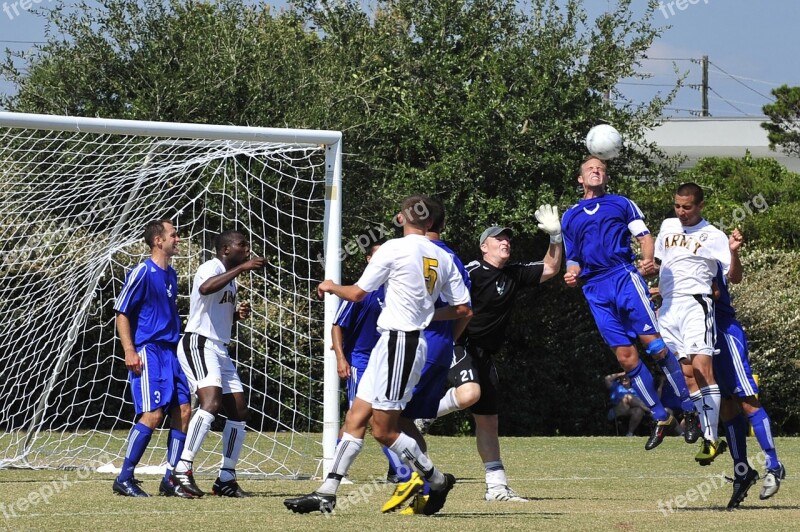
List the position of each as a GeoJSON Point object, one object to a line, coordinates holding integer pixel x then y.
{"type": "Point", "coordinates": [712, 400]}
{"type": "Point", "coordinates": [697, 400]}
{"type": "Point", "coordinates": [407, 449]}
{"type": "Point", "coordinates": [495, 474]}
{"type": "Point", "coordinates": [232, 441]}
{"type": "Point", "coordinates": [448, 403]}
{"type": "Point", "coordinates": [346, 452]}
{"type": "Point", "coordinates": [199, 426]}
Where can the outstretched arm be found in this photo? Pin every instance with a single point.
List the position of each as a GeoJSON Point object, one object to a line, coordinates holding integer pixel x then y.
{"type": "Point", "coordinates": [547, 216]}
{"type": "Point", "coordinates": [212, 285]}
{"type": "Point", "coordinates": [736, 271]}
{"type": "Point", "coordinates": [349, 292]}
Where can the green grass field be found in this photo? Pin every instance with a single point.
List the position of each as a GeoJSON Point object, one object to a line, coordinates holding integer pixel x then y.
{"type": "Point", "coordinates": [573, 484]}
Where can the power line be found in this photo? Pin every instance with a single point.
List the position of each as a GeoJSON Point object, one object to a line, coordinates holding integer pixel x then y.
{"type": "Point", "coordinates": [734, 78]}
{"type": "Point", "coordinates": [726, 101]}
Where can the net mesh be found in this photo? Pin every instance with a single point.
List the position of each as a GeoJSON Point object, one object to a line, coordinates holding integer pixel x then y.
{"type": "Point", "coordinates": [72, 212]}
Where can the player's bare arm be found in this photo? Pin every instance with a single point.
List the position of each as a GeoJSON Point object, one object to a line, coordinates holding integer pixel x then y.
{"type": "Point", "coordinates": [736, 271]}
{"type": "Point", "coordinates": [347, 292]}
{"type": "Point", "coordinates": [571, 277]}
{"type": "Point", "coordinates": [550, 223]}
{"type": "Point", "coordinates": [243, 311]}
{"type": "Point", "coordinates": [132, 360]}
{"type": "Point", "coordinates": [337, 337]}
{"type": "Point", "coordinates": [214, 284]}
{"type": "Point", "coordinates": [452, 312]}
{"type": "Point", "coordinates": [647, 266]}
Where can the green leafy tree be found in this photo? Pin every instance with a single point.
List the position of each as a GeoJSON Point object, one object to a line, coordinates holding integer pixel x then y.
{"type": "Point", "coordinates": [784, 129]}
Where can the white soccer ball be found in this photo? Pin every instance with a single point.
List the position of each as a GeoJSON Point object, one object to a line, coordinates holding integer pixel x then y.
{"type": "Point", "coordinates": [604, 141]}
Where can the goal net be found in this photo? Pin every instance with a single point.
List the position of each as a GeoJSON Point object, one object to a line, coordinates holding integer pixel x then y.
{"type": "Point", "coordinates": [75, 194]}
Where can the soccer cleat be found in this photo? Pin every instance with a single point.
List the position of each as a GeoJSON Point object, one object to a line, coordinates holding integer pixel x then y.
{"type": "Point", "coordinates": [437, 498]}
{"type": "Point", "coordinates": [228, 488]}
{"type": "Point", "coordinates": [129, 488]}
{"type": "Point", "coordinates": [403, 492]}
{"type": "Point", "coordinates": [692, 432]}
{"type": "Point", "coordinates": [659, 431]}
{"type": "Point", "coordinates": [424, 425]}
{"type": "Point", "coordinates": [313, 502]}
{"type": "Point", "coordinates": [772, 482]}
{"type": "Point", "coordinates": [709, 450]}
{"type": "Point", "coordinates": [417, 505]}
{"type": "Point", "coordinates": [167, 488]}
{"type": "Point", "coordinates": [741, 485]}
{"type": "Point", "coordinates": [504, 494]}
{"type": "Point", "coordinates": [186, 481]}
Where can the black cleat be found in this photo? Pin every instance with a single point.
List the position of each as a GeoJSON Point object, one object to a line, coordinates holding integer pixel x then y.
{"type": "Point", "coordinates": [437, 498]}
{"type": "Point", "coordinates": [741, 485]}
{"type": "Point", "coordinates": [129, 488]}
{"type": "Point", "coordinates": [168, 489]}
{"type": "Point", "coordinates": [229, 488]}
{"type": "Point", "coordinates": [659, 431]}
{"type": "Point", "coordinates": [186, 481]}
{"type": "Point", "coordinates": [313, 502]}
{"type": "Point", "coordinates": [692, 431]}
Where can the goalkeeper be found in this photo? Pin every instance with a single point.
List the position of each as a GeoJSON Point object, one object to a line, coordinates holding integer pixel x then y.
{"type": "Point", "coordinates": [203, 354]}
{"type": "Point", "coordinates": [495, 285]}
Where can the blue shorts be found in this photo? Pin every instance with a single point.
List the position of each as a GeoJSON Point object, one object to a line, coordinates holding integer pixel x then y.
{"type": "Point", "coordinates": [731, 366]}
{"type": "Point", "coordinates": [352, 383]}
{"type": "Point", "coordinates": [162, 383]}
{"type": "Point", "coordinates": [621, 306]}
{"type": "Point", "coordinates": [424, 402]}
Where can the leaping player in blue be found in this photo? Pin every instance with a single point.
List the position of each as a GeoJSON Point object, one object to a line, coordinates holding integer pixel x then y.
{"type": "Point", "coordinates": [739, 390]}
{"type": "Point", "coordinates": [149, 327]}
{"type": "Point", "coordinates": [597, 242]}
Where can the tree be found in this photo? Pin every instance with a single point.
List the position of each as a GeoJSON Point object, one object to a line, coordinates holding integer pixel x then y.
{"type": "Point", "coordinates": [784, 129]}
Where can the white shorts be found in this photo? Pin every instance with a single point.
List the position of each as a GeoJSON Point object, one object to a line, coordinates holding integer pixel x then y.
{"type": "Point", "coordinates": [687, 325]}
{"type": "Point", "coordinates": [393, 370]}
{"type": "Point", "coordinates": [206, 363]}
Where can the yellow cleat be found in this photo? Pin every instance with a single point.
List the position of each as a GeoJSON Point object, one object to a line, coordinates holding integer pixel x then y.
{"type": "Point", "coordinates": [403, 492]}
{"type": "Point", "coordinates": [417, 505]}
{"type": "Point", "coordinates": [709, 450]}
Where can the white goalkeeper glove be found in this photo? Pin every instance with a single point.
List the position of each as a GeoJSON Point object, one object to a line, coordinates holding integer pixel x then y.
{"type": "Point", "coordinates": [547, 216]}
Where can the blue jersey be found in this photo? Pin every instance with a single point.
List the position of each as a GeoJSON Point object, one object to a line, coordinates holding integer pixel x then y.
{"type": "Point", "coordinates": [439, 334]}
{"type": "Point", "coordinates": [597, 236]}
{"type": "Point", "coordinates": [359, 323]}
{"type": "Point", "coordinates": [723, 308]}
{"type": "Point", "coordinates": [618, 391]}
{"type": "Point", "coordinates": [149, 299]}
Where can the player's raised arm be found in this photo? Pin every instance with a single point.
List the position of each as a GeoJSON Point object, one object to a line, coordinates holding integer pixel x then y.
{"type": "Point", "coordinates": [736, 271]}
{"type": "Point", "coordinates": [547, 216]}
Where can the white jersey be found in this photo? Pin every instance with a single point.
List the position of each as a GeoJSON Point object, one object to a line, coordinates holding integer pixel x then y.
{"type": "Point", "coordinates": [211, 315]}
{"type": "Point", "coordinates": [689, 257]}
{"type": "Point", "coordinates": [415, 271]}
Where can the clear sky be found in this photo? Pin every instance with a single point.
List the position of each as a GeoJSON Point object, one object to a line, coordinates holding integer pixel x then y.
{"type": "Point", "coordinates": [752, 46]}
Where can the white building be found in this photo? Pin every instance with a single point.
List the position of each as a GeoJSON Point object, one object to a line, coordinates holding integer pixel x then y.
{"type": "Point", "coordinates": [697, 138]}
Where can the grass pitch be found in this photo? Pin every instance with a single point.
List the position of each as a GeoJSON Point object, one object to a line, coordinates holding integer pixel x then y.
{"type": "Point", "coordinates": [608, 483]}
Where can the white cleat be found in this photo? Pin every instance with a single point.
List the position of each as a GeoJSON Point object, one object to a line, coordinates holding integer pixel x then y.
{"type": "Point", "coordinates": [503, 494]}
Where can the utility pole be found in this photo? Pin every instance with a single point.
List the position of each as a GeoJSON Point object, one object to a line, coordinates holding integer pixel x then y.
{"type": "Point", "coordinates": [704, 88]}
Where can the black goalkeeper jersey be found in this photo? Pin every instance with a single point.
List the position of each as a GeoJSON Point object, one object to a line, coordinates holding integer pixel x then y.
{"type": "Point", "coordinates": [493, 294]}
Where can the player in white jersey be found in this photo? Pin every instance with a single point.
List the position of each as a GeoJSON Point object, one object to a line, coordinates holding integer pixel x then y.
{"type": "Point", "coordinates": [203, 354]}
{"type": "Point", "coordinates": [690, 251]}
{"type": "Point", "coordinates": [414, 272]}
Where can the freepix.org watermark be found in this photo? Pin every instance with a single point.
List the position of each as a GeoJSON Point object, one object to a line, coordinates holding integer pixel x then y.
{"type": "Point", "coordinates": [15, 9]}
{"type": "Point", "coordinates": [44, 493]}
{"type": "Point", "coordinates": [668, 9]}
{"type": "Point", "coordinates": [756, 204]}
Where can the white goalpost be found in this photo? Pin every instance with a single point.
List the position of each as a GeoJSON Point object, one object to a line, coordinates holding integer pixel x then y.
{"type": "Point", "coordinates": [75, 194]}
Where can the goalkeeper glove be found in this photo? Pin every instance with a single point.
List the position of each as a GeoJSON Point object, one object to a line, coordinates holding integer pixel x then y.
{"type": "Point", "coordinates": [547, 216]}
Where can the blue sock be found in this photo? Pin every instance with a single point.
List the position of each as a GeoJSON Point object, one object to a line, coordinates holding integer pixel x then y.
{"type": "Point", "coordinates": [138, 439]}
{"type": "Point", "coordinates": [736, 431]}
{"type": "Point", "coordinates": [642, 381]}
{"type": "Point", "coordinates": [175, 444]}
{"type": "Point", "coordinates": [672, 369]}
{"type": "Point", "coordinates": [396, 465]}
{"type": "Point", "coordinates": [761, 427]}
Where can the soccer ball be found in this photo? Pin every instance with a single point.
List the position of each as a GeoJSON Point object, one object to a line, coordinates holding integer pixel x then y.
{"type": "Point", "coordinates": [604, 141]}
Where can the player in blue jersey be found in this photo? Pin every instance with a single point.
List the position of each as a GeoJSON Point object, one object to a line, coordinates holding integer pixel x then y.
{"type": "Point", "coordinates": [597, 242]}
{"type": "Point", "coordinates": [425, 400]}
{"type": "Point", "coordinates": [148, 325]}
{"type": "Point", "coordinates": [739, 390]}
{"type": "Point", "coordinates": [625, 401]}
{"type": "Point", "coordinates": [354, 335]}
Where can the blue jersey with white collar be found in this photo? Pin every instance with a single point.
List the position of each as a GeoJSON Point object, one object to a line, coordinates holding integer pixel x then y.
{"type": "Point", "coordinates": [597, 236]}
{"type": "Point", "coordinates": [359, 323]}
{"type": "Point", "coordinates": [149, 299]}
